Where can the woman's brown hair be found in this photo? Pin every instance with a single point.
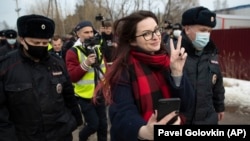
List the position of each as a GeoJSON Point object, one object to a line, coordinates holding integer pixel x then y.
{"type": "Point", "coordinates": [125, 31]}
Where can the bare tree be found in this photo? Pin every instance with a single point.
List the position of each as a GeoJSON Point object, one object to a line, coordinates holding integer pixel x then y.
{"type": "Point", "coordinates": [175, 8]}
{"type": "Point", "coordinates": [4, 25]}
{"type": "Point", "coordinates": [224, 4]}
{"type": "Point", "coordinates": [217, 4]}
{"type": "Point", "coordinates": [110, 9]}
{"type": "Point", "coordinates": [117, 9]}
{"type": "Point", "coordinates": [51, 9]}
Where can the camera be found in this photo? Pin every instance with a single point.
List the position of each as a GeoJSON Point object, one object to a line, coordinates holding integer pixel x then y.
{"type": "Point", "coordinates": [99, 17]}
{"type": "Point", "coordinates": [91, 42]}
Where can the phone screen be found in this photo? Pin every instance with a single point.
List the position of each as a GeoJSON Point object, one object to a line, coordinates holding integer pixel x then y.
{"type": "Point", "coordinates": [166, 106]}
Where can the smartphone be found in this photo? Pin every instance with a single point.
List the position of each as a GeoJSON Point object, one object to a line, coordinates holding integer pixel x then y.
{"type": "Point", "coordinates": [166, 106]}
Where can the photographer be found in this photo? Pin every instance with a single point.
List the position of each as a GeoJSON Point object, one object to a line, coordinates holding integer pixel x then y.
{"type": "Point", "coordinates": [86, 67]}
{"type": "Point", "coordinates": [109, 45]}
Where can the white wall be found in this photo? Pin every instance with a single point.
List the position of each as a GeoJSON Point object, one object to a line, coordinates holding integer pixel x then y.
{"type": "Point", "coordinates": [232, 21]}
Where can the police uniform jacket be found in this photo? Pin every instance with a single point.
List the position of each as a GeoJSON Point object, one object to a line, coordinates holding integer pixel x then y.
{"type": "Point", "coordinates": [206, 78]}
{"type": "Point", "coordinates": [7, 48]}
{"type": "Point", "coordinates": [37, 100]}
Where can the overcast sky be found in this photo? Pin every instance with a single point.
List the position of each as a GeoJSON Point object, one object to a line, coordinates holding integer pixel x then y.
{"type": "Point", "coordinates": [9, 15]}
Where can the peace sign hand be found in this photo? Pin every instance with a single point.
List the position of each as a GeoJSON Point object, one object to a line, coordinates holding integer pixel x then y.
{"type": "Point", "coordinates": [178, 57]}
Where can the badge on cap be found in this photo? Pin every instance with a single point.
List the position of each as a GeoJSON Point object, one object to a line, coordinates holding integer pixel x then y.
{"type": "Point", "coordinates": [43, 26]}
{"type": "Point", "coordinates": [212, 19]}
{"type": "Point", "coordinates": [59, 88]}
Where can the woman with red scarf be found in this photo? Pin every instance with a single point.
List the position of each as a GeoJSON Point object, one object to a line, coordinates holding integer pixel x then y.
{"type": "Point", "coordinates": [143, 73]}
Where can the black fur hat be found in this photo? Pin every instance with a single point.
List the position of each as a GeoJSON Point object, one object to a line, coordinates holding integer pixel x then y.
{"type": "Point", "coordinates": [199, 15]}
{"type": "Point", "coordinates": [2, 33]}
{"type": "Point", "coordinates": [35, 26]}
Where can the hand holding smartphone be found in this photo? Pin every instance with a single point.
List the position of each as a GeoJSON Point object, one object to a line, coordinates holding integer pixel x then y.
{"type": "Point", "coordinates": [166, 106]}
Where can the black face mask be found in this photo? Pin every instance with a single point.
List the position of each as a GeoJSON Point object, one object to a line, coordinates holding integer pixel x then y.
{"type": "Point", "coordinates": [37, 52]}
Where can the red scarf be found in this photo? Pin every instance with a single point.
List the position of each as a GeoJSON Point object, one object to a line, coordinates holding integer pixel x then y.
{"type": "Point", "coordinates": [148, 81]}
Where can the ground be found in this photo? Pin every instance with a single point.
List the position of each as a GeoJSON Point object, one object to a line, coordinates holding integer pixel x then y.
{"type": "Point", "coordinates": [233, 116]}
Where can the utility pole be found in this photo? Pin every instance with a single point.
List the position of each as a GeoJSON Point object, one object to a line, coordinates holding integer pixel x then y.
{"type": "Point", "coordinates": [50, 6]}
{"type": "Point", "coordinates": [17, 8]}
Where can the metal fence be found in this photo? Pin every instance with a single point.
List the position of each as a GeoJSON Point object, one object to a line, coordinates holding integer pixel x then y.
{"type": "Point", "coordinates": [234, 47]}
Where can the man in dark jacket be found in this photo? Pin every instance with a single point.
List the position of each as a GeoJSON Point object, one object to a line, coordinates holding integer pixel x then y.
{"type": "Point", "coordinates": [109, 44]}
{"type": "Point", "coordinates": [2, 38]}
{"type": "Point", "coordinates": [202, 65]}
{"type": "Point", "coordinates": [37, 101]}
{"type": "Point", "coordinates": [12, 44]}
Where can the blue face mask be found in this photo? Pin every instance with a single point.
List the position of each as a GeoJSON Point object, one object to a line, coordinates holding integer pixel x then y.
{"type": "Point", "coordinates": [201, 40]}
{"type": "Point", "coordinates": [11, 41]}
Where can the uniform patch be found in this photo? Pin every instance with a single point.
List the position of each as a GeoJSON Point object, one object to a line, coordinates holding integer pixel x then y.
{"type": "Point", "coordinates": [214, 62]}
{"type": "Point", "coordinates": [59, 88]}
{"type": "Point", "coordinates": [214, 79]}
{"type": "Point", "coordinates": [56, 73]}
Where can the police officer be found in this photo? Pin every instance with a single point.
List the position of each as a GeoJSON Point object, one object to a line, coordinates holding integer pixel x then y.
{"type": "Point", "coordinates": [202, 65]}
{"type": "Point", "coordinates": [2, 38]}
{"type": "Point", "coordinates": [11, 44]}
{"type": "Point", "coordinates": [36, 95]}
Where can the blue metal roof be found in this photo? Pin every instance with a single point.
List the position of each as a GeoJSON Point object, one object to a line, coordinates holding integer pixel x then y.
{"type": "Point", "coordinates": [234, 8]}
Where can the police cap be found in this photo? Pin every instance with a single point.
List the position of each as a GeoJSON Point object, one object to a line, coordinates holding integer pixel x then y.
{"type": "Point", "coordinates": [10, 33]}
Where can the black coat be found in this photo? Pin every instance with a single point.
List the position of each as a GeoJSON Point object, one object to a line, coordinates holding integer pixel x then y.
{"type": "Point", "coordinates": [37, 100]}
{"type": "Point", "coordinates": [7, 48]}
{"type": "Point", "coordinates": [124, 113]}
{"type": "Point", "coordinates": [203, 70]}
{"type": "Point", "coordinates": [107, 48]}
